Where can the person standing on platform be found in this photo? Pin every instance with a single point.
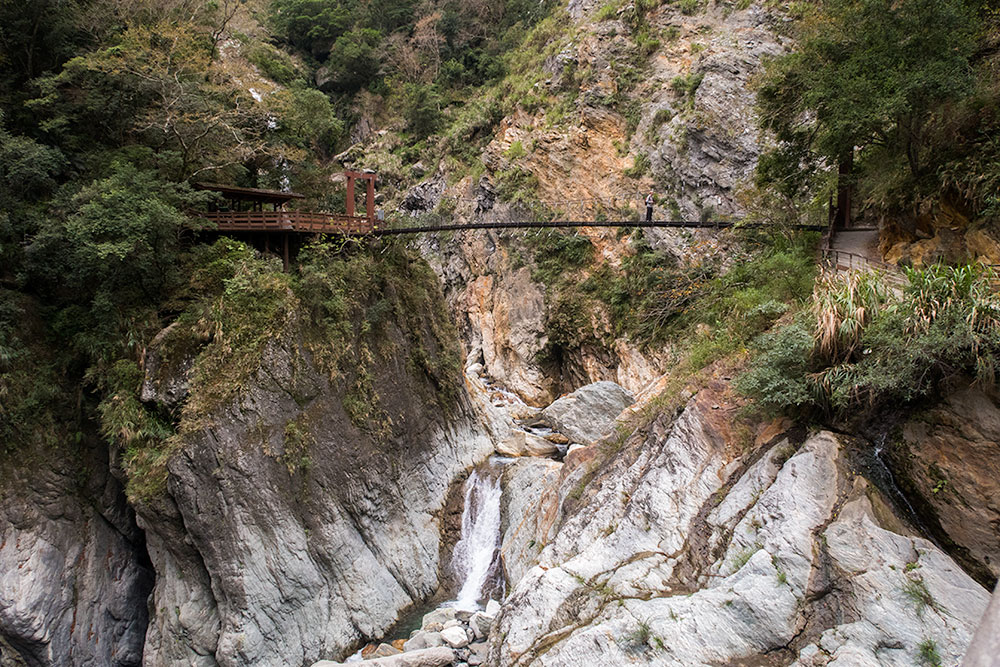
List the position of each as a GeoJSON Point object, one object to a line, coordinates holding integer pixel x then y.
{"type": "Point", "coordinates": [649, 206]}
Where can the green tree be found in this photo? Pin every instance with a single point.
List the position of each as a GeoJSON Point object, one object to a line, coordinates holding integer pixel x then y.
{"type": "Point", "coordinates": [27, 175]}
{"type": "Point", "coordinates": [866, 73]}
{"type": "Point", "coordinates": [112, 255]}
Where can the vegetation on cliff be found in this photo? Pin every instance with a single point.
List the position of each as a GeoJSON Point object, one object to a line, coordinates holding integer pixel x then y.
{"type": "Point", "coordinates": [863, 346]}
{"type": "Point", "coordinates": [898, 103]}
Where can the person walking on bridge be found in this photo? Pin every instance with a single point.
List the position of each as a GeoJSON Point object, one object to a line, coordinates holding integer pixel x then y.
{"type": "Point", "coordinates": [649, 206]}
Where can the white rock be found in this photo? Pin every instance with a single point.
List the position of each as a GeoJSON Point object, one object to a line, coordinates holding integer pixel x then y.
{"type": "Point", "coordinates": [441, 615]}
{"type": "Point", "coordinates": [492, 608]}
{"type": "Point", "coordinates": [440, 656]}
{"type": "Point", "coordinates": [421, 640]}
{"type": "Point", "coordinates": [757, 595]}
{"type": "Point", "coordinates": [522, 443]}
{"type": "Point", "coordinates": [455, 637]}
{"type": "Point", "coordinates": [481, 624]}
{"type": "Point", "coordinates": [588, 414]}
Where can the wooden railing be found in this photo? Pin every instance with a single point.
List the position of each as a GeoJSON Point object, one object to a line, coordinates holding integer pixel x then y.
{"type": "Point", "coordinates": [288, 221]}
{"type": "Point", "coordinates": [842, 260]}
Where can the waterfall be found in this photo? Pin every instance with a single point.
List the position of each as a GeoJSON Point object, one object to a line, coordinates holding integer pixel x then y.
{"type": "Point", "coordinates": [896, 495]}
{"type": "Point", "coordinates": [476, 558]}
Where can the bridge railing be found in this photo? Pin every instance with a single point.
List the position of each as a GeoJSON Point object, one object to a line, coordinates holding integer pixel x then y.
{"type": "Point", "coordinates": [843, 260]}
{"type": "Point", "coordinates": [288, 221]}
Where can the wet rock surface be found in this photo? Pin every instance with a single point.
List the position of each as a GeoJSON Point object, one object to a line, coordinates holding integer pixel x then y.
{"type": "Point", "coordinates": [948, 458]}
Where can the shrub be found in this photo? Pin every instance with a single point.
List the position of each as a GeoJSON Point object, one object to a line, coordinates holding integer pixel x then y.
{"type": "Point", "coordinates": [689, 7]}
{"type": "Point", "coordinates": [639, 168]}
{"type": "Point", "coordinates": [872, 346]}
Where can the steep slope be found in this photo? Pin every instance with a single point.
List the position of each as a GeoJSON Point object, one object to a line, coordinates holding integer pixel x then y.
{"type": "Point", "coordinates": [74, 575]}
{"type": "Point", "coordinates": [682, 550]}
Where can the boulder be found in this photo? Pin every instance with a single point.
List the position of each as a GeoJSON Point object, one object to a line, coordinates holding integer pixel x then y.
{"type": "Point", "coordinates": [385, 650]}
{"type": "Point", "coordinates": [522, 443]}
{"type": "Point", "coordinates": [455, 637]}
{"type": "Point", "coordinates": [423, 640]}
{"type": "Point", "coordinates": [477, 653]}
{"type": "Point", "coordinates": [440, 656]}
{"type": "Point", "coordinates": [588, 414]}
{"type": "Point", "coordinates": [441, 616]}
{"type": "Point", "coordinates": [481, 624]}
{"type": "Point", "coordinates": [423, 197]}
{"type": "Point", "coordinates": [167, 366]}
{"type": "Point", "coordinates": [492, 608]}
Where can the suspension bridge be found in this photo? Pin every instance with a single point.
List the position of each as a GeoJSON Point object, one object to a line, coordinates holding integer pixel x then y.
{"type": "Point", "coordinates": [244, 211]}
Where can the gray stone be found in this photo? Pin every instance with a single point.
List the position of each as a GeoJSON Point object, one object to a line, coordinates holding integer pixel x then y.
{"type": "Point", "coordinates": [453, 623]}
{"type": "Point", "coordinates": [421, 640]}
{"type": "Point", "coordinates": [73, 588]}
{"type": "Point", "coordinates": [588, 414]}
{"type": "Point", "coordinates": [481, 624]}
{"type": "Point", "coordinates": [167, 366]}
{"type": "Point", "coordinates": [440, 656]}
{"type": "Point", "coordinates": [492, 608]}
{"type": "Point", "coordinates": [455, 637]}
{"type": "Point", "coordinates": [477, 653]}
{"type": "Point", "coordinates": [441, 616]}
{"type": "Point", "coordinates": [529, 510]}
{"type": "Point", "coordinates": [423, 197]}
{"type": "Point", "coordinates": [522, 443]}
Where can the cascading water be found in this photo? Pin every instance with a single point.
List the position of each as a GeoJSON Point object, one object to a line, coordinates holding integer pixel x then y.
{"type": "Point", "coordinates": [886, 481]}
{"type": "Point", "coordinates": [476, 558]}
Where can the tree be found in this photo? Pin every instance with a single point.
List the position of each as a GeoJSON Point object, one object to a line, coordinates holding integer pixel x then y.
{"type": "Point", "coordinates": [112, 251]}
{"type": "Point", "coordinates": [866, 73]}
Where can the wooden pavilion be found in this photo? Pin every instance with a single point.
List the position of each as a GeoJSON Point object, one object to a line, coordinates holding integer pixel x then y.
{"type": "Point", "coordinates": [255, 210]}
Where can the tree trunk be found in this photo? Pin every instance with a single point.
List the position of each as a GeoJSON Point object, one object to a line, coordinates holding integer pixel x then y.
{"type": "Point", "coordinates": [845, 170]}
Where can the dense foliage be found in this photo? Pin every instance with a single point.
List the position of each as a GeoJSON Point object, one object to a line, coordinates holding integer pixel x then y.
{"type": "Point", "coordinates": [109, 113]}
{"type": "Point", "coordinates": [864, 346]}
{"type": "Point", "coordinates": [655, 300]}
{"type": "Point", "coordinates": [897, 101]}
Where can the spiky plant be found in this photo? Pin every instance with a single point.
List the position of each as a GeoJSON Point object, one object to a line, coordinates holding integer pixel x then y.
{"type": "Point", "coordinates": [844, 304]}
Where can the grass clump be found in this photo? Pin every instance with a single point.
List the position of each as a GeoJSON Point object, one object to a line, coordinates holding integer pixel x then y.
{"type": "Point", "coordinates": [687, 86]}
{"type": "Point", "coordinates": [862, 345]}
{"type": "Point", "coordinates": [639, 640]}
{"type": "Point", "coordinates": [916, 592]}
{"type": "Point", "coordinates": [744, 556]}
{"type": "Point", "coordinates": [639, 168]}
{"type": "Point", "coordinates": [927, 653]}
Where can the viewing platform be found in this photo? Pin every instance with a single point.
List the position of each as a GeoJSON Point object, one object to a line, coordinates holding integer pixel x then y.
{"type": "Point", "coordinates": [305, 222]}
{"type": "Point", "coordinates": [244, 210]}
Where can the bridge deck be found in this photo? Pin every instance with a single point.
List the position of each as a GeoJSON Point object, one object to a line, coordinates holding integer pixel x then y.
{"type": "Point", "coordinates": [307, 222]}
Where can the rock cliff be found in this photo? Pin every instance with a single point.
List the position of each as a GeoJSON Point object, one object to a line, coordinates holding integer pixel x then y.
{"type": "Point", "coordinates": [682, 549]}
{"type": "Point", "coordinates": [289, 533]}
{"type": "Point", "coordinates": [73, 572]}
